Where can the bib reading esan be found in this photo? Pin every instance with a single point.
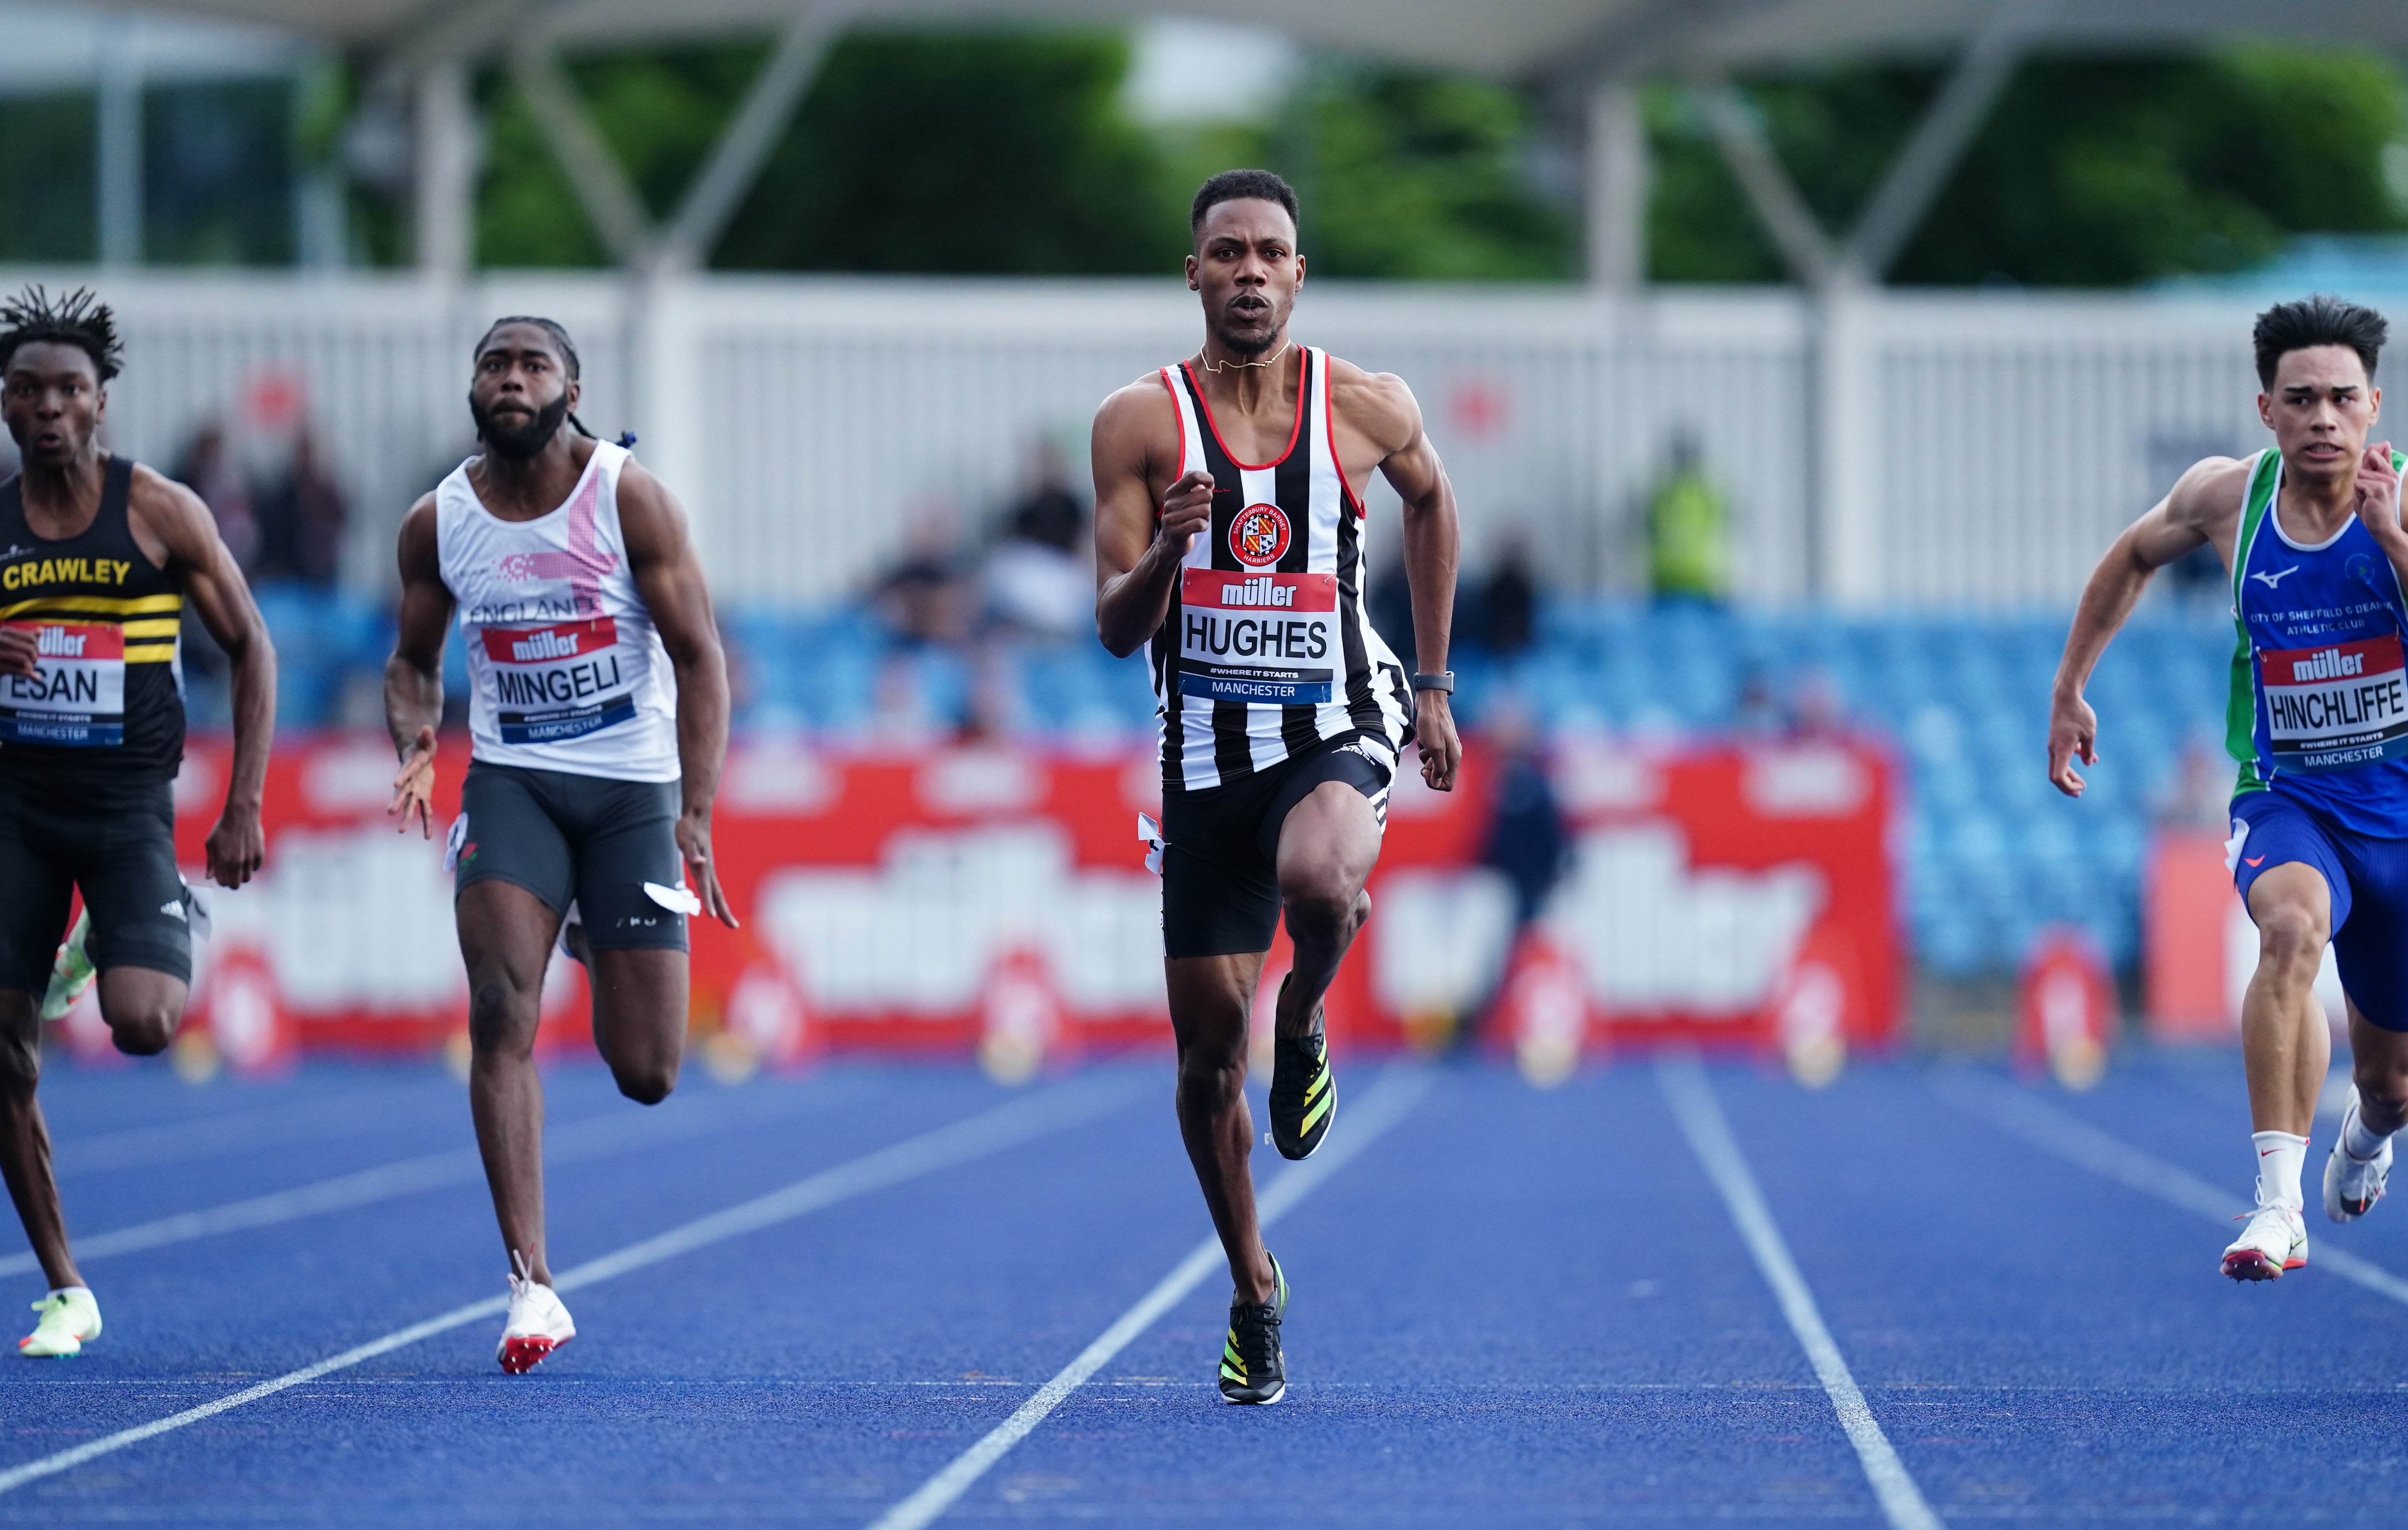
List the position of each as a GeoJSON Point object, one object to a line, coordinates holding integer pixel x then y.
{"type": "Point", "coordinates": [565, 669]}
{"type": "Point", "coordinates": [76, 693]}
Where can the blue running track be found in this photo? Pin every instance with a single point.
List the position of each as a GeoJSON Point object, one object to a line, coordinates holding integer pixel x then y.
{"type": "Point", "coordinates": [1511, 1308]}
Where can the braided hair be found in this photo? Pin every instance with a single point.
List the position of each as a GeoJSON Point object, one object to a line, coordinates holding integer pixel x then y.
{"type": "Point", "coordinates": [79, 319]}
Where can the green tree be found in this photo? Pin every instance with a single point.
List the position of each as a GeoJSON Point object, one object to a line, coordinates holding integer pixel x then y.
{"type": "Point", "coordinates": [2091, 172]}
{"type": "Point", "coordinates": [1002, 152]}
{"type": "Point", "coordinates": [1404, 174]}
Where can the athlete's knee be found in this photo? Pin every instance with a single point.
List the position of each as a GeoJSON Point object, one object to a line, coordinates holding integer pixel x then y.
{"type": "Point", "coordinates": [1213, 1073]}
{"type": "Point", "coordinates": [143, 1030]}
{"type": "Point", "coordinates": [502, 1016]}
{"type": "Point", "coordinates": [647, 1084]}
{"type": "Point", "coordinates": [2382, 1083]}
{"type": "Point", "coordinates": [2291, 941]}
{"type": "Point", "coordinates": [1324, 902]}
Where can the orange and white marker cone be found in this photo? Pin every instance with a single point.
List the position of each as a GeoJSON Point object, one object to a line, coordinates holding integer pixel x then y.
{"type": "Point", "coordinates": [1546, 1009]}
{"type": "Point", "coordinates": [2069, 1007]}
{"type": "Point", "coordinates": [1020, 1018]}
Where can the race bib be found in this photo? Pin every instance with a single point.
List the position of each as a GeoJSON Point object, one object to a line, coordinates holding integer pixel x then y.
{"type": "Point", "coordinates": [1267, 638]}
{"type": "Point", "coordinates": [559, 682]}
{"type": "Point", "coordinates": [2333, 707]}
{"type": "Point", "coordinates": [77, 694]}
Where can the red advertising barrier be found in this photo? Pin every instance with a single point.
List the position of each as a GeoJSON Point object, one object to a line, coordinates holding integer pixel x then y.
{"type": "Point", "coordinates": [995, 900]}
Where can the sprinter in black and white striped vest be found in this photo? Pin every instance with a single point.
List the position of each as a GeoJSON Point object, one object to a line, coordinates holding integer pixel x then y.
{"type": "Point", "coordinates": [1229, 537]}
{"type": "Point", "coordinates": [98, 558]}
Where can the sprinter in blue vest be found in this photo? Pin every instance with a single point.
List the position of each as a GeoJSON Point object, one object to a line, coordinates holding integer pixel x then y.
{"type": "Point", "coordinates": [2317, 719]}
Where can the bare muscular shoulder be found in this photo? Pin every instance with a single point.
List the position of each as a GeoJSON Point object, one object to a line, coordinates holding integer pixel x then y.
{"type": "Point", "coordinates": [1137, 432]}
{"type": "Point", "coordinates": [2208, 498]}
{"type": "Point", "coordinates": [168, 520]}
{"type": "Point", "coordinates": [1376, 405]}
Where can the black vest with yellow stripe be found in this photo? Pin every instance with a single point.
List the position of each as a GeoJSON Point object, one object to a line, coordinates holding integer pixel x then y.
{"type": "Point", "coordinates": [105, 703]}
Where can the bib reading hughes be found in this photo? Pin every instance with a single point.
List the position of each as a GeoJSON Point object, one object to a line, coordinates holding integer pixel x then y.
{"type": "Point", "coordinates": [565, 669]}
{"type": "Point", "coordinates": [2318, 708]}
{"type": "Point", "coordinates": [105, 701]}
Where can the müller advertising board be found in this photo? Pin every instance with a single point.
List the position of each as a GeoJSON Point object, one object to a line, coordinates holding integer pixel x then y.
{"type": "Point", "coordinates": [924, 901]}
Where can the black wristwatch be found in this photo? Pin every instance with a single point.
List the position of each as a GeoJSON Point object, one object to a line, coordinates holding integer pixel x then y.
{"type": "Point", "coordinates": [1442, 681]}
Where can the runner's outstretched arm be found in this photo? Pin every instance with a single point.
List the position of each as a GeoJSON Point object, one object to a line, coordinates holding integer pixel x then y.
{"type": "Point", "coordinates": [413, 676]}
{"type": "Point", "coordinates": [669, 575]}
{"type": "Point", "coordinates": [2203, 508]}
{"type": "Point", "coordinates": [1385, 409]}
{"type": "Point", "coordinates": [220, 598]}
{"type": "Point", "coordinates": [1138, 546]}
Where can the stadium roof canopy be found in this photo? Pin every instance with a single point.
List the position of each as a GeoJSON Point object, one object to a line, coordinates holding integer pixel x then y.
{"type": "Point", "coordinates": [1590, 50]}
{"type": "Point", "coordinates": [1517, 38]}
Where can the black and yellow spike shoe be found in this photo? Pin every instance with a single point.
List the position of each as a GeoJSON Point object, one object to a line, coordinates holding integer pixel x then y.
{"type": "Point", "coordinates": [1252, 1370]}
{"type": "Point", "coordinates": [1304, 1092]}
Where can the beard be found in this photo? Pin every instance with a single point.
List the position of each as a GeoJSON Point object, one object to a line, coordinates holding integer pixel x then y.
{"type": "Point", "coordinates": [520, 442]}
{"type": "Point", "coordinates": [1249, 341]}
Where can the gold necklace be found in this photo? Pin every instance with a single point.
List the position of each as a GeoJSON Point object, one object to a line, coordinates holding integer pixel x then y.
{"type": "Point", "coordinates": [1230, 366]}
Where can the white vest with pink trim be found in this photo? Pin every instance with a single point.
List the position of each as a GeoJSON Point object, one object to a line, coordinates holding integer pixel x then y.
{"type": "Point", "coordinates": [565, 669]}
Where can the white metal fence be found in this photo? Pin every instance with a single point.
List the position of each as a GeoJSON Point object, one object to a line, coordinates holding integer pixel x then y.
{"type": "Point", "coordinates": [808, 421]}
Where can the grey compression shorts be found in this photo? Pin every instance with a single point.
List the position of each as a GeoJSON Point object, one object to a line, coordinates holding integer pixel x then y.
{"type": "Point", "coordinates": [609, 847]}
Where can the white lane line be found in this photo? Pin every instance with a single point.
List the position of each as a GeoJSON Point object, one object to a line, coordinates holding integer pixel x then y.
{"type": "Point", "coordinates": [1684, 1087]}
{"type": "Point", "coordinates": [2015, 1111]}
{"type": "Point", "coordinates": [983, 1135]}
{"type": "Point", "coordinates": [598, 1136]}
{"type": "Point", "coordinates": [1384, 1103]}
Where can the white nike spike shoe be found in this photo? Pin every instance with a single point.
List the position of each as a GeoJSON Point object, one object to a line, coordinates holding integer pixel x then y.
{"type": "Point", "coordinates": [2353, 1185]}
{"type": "Point", "coordinates": [70, 1318]}
{"type": "Point", "coordinates": [537, 1325]}
{"type": "Point", "coordinates": [2275, 1240]}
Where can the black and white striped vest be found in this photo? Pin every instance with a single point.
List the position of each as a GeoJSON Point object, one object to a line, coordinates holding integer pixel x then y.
{"type": "Point", "coordinates": [1268, 646]}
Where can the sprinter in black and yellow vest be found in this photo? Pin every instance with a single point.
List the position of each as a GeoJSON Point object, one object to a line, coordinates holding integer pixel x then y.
{"type": "Point", "coordinates": [98, 558]}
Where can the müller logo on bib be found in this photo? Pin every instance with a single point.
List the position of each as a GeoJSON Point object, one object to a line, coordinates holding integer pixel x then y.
{"type": "Point", "coordinates": [1259, 536]}
{"type": "Point", "coordinates": [549, 644]}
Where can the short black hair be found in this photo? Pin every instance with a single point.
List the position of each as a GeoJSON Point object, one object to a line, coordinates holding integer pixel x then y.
{"type": "Point", "coordinates": [79, 319]}
{"type": "Point", "coordinates": [559, 341]}
{"type": "Point", "coordinates": [2320, 320]}
{"type": "Point", "coordinates": [1237, 185]}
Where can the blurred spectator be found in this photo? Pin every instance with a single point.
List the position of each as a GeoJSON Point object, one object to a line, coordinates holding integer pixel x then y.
{"type": "Point", "coordinates": [300, 514]}
{"type": "Point", "coordinates": [1820, 711]}
{"type": "Point", "coordinates": [1509, 600]}
{"type": "Point", "coordinates": [1688, 531]}
{"type": "Point", "coordinates": [1527, 840]}
{"type": "Point", "coordinates": [2198, 793]}
{"type": "Point", "coordinates": [1758, 713]}
{"type": "Point", "coordinates": [923, 596]}
{"type": "Point", "coordinates": [206, 466]}
{"type": "Point", "coordinates": [1038, 578]}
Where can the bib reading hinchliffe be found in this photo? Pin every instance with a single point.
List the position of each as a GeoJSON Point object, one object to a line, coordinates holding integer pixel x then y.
{"type": "Point", "coordinates": [565, 669]}
{"type": "Point", "coordinates": [2319, 700]}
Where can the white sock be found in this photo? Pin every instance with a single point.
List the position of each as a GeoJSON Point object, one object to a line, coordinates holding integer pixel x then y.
{"type": "Point", "coordinates": [2356, 1140]}
{"type": "Point", "coordinates": [2280, 1158]}
{"type": "Point", "coordinates": [71, 1291]}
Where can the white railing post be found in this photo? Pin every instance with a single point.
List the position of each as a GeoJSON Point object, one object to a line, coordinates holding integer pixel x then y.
{"type": "Point", "coordinates": [1843, 404]}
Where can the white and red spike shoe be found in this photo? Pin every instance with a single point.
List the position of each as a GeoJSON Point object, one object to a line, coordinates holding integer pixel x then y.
{"type": "Point", "coordinates": [537, 1325]}
{"type": "Point", "coordinates": [2275, 1240]}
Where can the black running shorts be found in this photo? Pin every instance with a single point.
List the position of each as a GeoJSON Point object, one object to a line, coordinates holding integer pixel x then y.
{"type": "Point", "coordinates": [601, 844]}
{"type": "Point", "coordinates": [1219, 854]}
{"type": "Point", "coordinates": [117, 844]}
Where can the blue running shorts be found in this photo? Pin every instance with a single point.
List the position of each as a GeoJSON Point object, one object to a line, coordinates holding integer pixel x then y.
{"type": "Point", "coordinates": [2367, 876]}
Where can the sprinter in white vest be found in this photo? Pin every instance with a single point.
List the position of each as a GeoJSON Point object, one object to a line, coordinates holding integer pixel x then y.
{"type": "Point", "coordinates": [597, 711]}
